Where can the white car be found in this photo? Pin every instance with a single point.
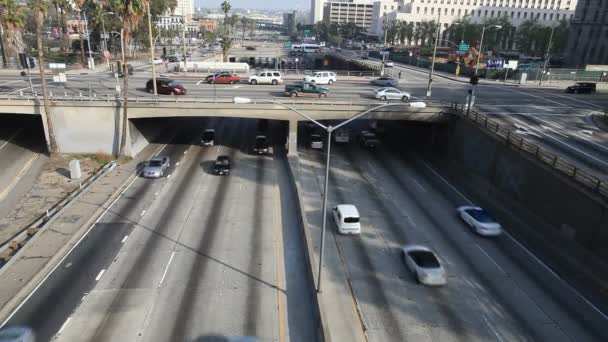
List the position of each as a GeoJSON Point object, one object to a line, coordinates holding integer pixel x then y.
{"type": "Point", "coordinates": [424, 264]}
{"type": "Point", "coordinates": [158, 60]}
{"type": "Point", "coordinates": [266, 77]}
{"type": "Point", "coordinates": [316, 141]}
{"type": "Point", "coordinates": [347, 219]}
{"type": "Point", "coordinates": [391, 93]}
{"type": "Point", "coordinates": [389, 64]}
{"type": "Point", "coordinates": [479, 219]}
{"type": "Point", "coordinates": [342, 136]}
{"type": "Point", "coordinates": [321, 77]}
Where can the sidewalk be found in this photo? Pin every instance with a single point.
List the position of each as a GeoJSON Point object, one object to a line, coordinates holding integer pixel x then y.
{"type": "Point", "coordinates": [44, 251]}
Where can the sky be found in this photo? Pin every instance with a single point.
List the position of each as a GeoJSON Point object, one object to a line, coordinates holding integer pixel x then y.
{"type": "Point", "coordinates": [258, 4]}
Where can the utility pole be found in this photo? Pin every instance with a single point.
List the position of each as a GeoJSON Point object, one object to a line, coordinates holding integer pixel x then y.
{"type": "Point", "coordinates": [151, 49]}
{"type": "Point", "coordinates": [428, 88]}
{"type": "Point", "coordinates": [86, 29]}
{"type": "Point", "coordinates": [546, 64]}
{"type": "Point", "coordinates": [383, 55]}
{"type": "Point", "coordinates": [184, 46]}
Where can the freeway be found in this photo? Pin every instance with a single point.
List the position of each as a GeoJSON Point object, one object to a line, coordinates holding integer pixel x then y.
{"type": "Point", "coordinates": [493, 294]}
{"type": "Point", "coordinates": [189, 256]}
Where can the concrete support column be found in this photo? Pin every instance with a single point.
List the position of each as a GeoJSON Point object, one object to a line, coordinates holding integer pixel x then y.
{"type": "Point", "coordinates": [292, 138]}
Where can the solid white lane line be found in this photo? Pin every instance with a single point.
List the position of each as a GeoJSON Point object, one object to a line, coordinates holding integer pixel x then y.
{"type": "Point", "coordinates": [20, 175]}
{"type": "Point", "coordinates": [562, 142]}
{"type": "Point", "coordinates": [142, 213]}
{"type": "Point", "coordinates": [162, 279]}
{"type": "Point", "coordinates": [124, 239]}
{"type": "Point", "coordinates": [576, 134]}
{"type": "Point", "coordinates": [73, 247]}
{"type": "Point", "coordinates": [100, 274]}
{"type": "Point", "coordinates": [11, 138]}
{"type": "Point", "coordinates": [64, 325]}
{"type": "Point", "coordinates": [83, 298]}
{"type": "Point", "coordinates": [492, 259]}
{"type": "Point", "coordinates": [570, 98]}
{"type": "Point", "coordinates": [492, 328]}
{"type": "Point", "coordinates": [468, 201]}
{"type": "Point", "coordinates": [419, 185]}
{"type": "Point", "coordinates": [169, 176]}
{"type": "Point", "coordinates": [1, 84]}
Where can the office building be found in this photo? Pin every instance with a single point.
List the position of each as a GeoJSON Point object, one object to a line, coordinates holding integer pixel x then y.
{"type": "Point", "coordinates": [289, 22]}
{"type": "Point", "coordinates": [341, 12]}
{"type": "Point", "coordinates": [316, 10]}
{"type": "Point", "coordinates": [588, 39]}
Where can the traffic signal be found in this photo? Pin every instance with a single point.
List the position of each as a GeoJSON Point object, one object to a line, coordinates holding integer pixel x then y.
{"type": "Point", "coordinates": [474, 80]}
{"type": "Point", "coordinates": [164, 51]}
{"type": "Point", "coordinates": [23, 60]}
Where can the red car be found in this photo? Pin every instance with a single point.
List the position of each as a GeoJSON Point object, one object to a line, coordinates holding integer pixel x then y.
{"type": "Point", "coordinates": [166, 86]}
{"type": "Point", "coordinates": [224, 78]}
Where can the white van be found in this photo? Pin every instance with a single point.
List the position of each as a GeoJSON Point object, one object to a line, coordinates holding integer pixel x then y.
{"type": "Point", "coordinates": [347, 219]}
{"type": "Point", "coordinates": [321, 77]}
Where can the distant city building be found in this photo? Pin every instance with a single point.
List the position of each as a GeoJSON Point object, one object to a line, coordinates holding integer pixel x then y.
{"type": "Point", "coordinates": [170, 22]}
{"type": "Point", "coordinates": [517, 11]}
{"type": "Point", "coordinates": [207, 24]}
{"type": "Point", "coordinates": [185, 8]}
{"type": "Point", "coordinates": [289, 22]}
{"type": "Point", "coordinates": [588, 40]}
{"type": "Point", "coordinates": [316, 10]}
{"type": "Point", "coordinates": [342, 12]}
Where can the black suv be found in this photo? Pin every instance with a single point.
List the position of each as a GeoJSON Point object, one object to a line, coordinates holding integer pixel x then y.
{"type": "Point", "coordinates": [581, 87]}
{"type": "Point", "coordinates": [221, 165]}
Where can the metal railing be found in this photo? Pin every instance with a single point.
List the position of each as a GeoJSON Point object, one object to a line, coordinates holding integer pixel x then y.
{"type": "Point", "coordinates": [555, 162]}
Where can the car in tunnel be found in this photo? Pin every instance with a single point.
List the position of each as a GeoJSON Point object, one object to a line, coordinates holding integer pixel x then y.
{"type": "Point", "coordinates": [156, 167]}
{"type": "Point", "coordinates": [165, 86]}
{"type": "Point", "coordinates": [424, 265]}
{"type": "Point", "coordinates": [208, 138]}
{"type": "Point", "coordinates": [261, 145]}
{"type": "Point", "coordinates": [221, 167]}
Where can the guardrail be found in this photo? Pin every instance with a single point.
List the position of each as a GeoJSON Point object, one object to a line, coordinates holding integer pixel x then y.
{"type": "Point", "coordinates": [10, 247]}
{"type": "Point", "coordinates": [562, 166]}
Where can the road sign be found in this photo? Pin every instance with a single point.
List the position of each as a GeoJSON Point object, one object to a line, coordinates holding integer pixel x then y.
{"type": "Point", "coordinates": [463, 46]}
{"type": "Point", "coordinates": [287, 44]}
{"type": "Point", "coordinates": [384, 53]}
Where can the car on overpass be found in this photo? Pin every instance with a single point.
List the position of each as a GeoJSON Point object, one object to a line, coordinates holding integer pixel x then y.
{"type": "Point", "coordinates": [479, 220]}
{"type": "Point", "coordinates": [321, 77]}
{"type": "Point", "coordinates": [266, 77]}
{"type": "Point", "coordinates": [385, 81]}
{"type": "Point", "coordinates": [424, 265]}
{"type": "Point", "coordinates": [391, 93]}
{"type": "Point", "coordinates": [156, 167]}
{"type": "Point", "coordinates": [582, 87]}
{"type": "Point", "coordinates": [223, 77]}
{"type": "Point", "coordinates": [166, 86]}
{"type": "Point", "coordinates": [305, 89]}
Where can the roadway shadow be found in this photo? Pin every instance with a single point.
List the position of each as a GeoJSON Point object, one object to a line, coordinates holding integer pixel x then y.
{"type": "Point", "coordinates": [63, 171]}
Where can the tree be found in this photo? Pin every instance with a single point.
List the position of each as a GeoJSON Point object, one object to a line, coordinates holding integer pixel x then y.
{"type": "Point", "coordinates": [78, 4]}
{"type": "Point", "coordinates": [405, 32]}
{"type": "Point", "coordinates": [425, 32]}
{"type": "Point", "coordinates": [245, 22]}
{"type": "Point", "coordinates": [39, 10]}
{"type": "Point", "coordinates": [13, 19]}
{"type": "Point", "coordinates": [495, 38]}
{"type": "Point", "coordinates": [226, 43]}
{"type": "Point", "coordinates": [130, 12]}
{"type": "Point", "coordinates": [528, 35]}
{"type": "Point", "coordinates": [464, 30]}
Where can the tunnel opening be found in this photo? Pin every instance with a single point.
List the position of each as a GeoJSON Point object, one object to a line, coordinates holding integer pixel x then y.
{"type": "Point", "coordinates": [22, 130]}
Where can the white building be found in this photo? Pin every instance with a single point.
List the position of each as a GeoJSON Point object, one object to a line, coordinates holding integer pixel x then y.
{"type": "Point", "coordinates": [517, 11]}
{"type": "Point", "coordinates": [185, 8]}
{"type": "Point", "coordinates": [360, 12]}
{"type": "Point", "coordinates": [316, 10]}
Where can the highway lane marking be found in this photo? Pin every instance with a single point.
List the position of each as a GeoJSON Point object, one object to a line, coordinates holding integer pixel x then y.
{"type": "Point", "coordinates": [168, 176]}
{"type": "Point", "coordinates": [22, 89]}
{"type": "Point", "coordinates": [11, 138]}
{"type": "Point", "coordinates": [100, 274]}
{"type": "Point", "coordinates": [492, 328]}
{"type": "Point", "coordinates": [64, 325]}
{"type": "Point", "coordinates": [278, 255]}
{"type": "Point", "coordinates": [562, 142]}
{"type": "Point", "coordinates": [162, 279]}
{"type": "Point", "coordinates": [492, 259]}
{"type": "Point", "coordinates": [1, 84]}
{"type": "Point", "coordinates": [533, 114]}
{"type": "Point", "coordinates": [569, 98]}
{"type": "Point", "coordinates": [565, 283]}
{"type": "Point", "coordinates": [576, 134]}
{"type": "Point", "coordinates": [124, 239]}
{"type": "Point", "coordinates": [75, 245]}
{"type": "Point", "coordinates": [419, 185]}
{"type": "Point", "coordinates": [20, 175]}
{"type": "Point", "coordinates": [531, 95]}
{"type": "Point", "coordinates": [142, 213]}
{"type": "Point", "coordinates": [176, 164]}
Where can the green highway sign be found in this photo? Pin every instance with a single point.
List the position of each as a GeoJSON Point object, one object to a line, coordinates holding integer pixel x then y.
{"type": "Point", "coordinates": [463, 46]}
{"type": "Point", "coordinates": [287, 44]}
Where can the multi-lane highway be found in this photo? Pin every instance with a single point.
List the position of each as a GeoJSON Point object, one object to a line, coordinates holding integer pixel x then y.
{"type": "Point", "coordinates": [189, 256]}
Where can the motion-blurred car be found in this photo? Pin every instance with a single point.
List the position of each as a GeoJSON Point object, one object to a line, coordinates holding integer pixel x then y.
{"type": "Point", "coordinates": [391, 93]}
{"type": "Point", "coordinates": [226, 78]}
{"type": "Point", "coordinates": [221, 166]}
{"type": "Point", "coordinates": [172, 59]}
{"type": "Point", "coordinates": [424, 264]}
{"type": "Point", "coordinates": [156, 167]}
{"type": "Point", "coordinates": [479, 219]}
{"type": "Point", "coordinates": [389, 64]}
{"type": "Point", "coordinates": [166, 86]}
{"type": "Point", "coordinates": [315, 142]}
{"type": "Point", "coordinates": [158, 60]}
{"type": "Point", "coordinates": [208, 137]}
{"type": "Point", "coordinates": [385, 81]}
{"type": "Point", "coordinates": [266, 77]}
{"type": "Point", "coordinates": [581, 87]}
{"type": "Point", "coordinates": [368, 140]}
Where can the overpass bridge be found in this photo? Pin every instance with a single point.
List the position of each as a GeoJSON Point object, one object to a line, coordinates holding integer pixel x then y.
{"type": "Point", "coordinates": [92, 125]}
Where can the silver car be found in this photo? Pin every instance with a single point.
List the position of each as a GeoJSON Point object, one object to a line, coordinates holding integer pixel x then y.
{"type": "Point", "coordinates": [156, 167]}
{"type": "Point", "coordinates": [391, 93]}
{"type": "Point", "coordinates": [385, 81]}
{"type": "Point", "coordinates": [424, 264]}
{"type": "Point", "coordinates": [479, 219]}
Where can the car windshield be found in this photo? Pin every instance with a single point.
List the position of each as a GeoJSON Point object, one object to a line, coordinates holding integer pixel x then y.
{"type": "Point", "coordinates": [155, 163]}
{"type": "Point", "coordinates": [316, 138]}
{"type": "Point", "coordinates": [351, 219]}
{"type": "Point", "coordinates": [222, 162]}
{"type": "Point", "coordinates": [480, 215]}
{"type": "Point", "coordinates": [260, 141]}
{"type": "Point", "coordinates": [208, 135]}
{"type": "Point", "coordinates": [424, 259]}
{"type": "Point", "coordinates": [174, 84]}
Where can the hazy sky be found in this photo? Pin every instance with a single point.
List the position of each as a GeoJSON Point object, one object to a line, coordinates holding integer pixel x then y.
{"type": "Point", "coordinates": [269, 4]}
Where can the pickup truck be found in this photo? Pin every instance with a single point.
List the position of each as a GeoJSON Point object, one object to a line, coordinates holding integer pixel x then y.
{"type": "Point", "coordinates": [305, 89]}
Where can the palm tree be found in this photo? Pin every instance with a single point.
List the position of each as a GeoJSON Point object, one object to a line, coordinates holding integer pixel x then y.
{"type": "Point", "coordinates": [245, 24]}
{"type": "Point", "coordinates": [226, 42]}
{"type": "Point", "coordinates": [226, 8]}
{"type": "Point", "coordinates": [5, 6]}
{"type": "Point", "coordinates": [78, 4]}
{"type": "Point", "coordinates": [61, 6]}
{"type": "Point", "coordinates": [14, 18]}
{"type": "Point", "coordinates": [39, 10]}
{"type": "Point", "coordinates": [130, 13]}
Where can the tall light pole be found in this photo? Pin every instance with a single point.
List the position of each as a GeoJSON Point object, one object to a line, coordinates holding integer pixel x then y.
{"type": "Point", "coordinates": [105, 40]}
{"type": "Point", "coordinates": [428, 87]}
{"type": "Point", "coordinates": [329, 129]}
{"type": "Point", "coordinates": [540, 82]}
{"type": "Point", "coordinates": [151, 49]}
{"type": "Point", "coordinates": [384, 49]}
{"type": "Point", "coordinates": [86, 29]}
{"type": "Point", "coordinates": [483, 30]}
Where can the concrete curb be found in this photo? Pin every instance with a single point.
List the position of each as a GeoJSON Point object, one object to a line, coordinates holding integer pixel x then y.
{"type": "Point", "coordinates": [294, 169]}
{"type": "Point", "coordinates": [27, 288]}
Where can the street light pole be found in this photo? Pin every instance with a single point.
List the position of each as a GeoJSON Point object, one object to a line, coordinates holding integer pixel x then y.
{"type": "Point", "coordinates": [540, 82]}
{"type": "Point", "coordinates": [384, 54]}
{"type": "Point", "coordinates": [483, 30]}
{"type": "Point", "coordinates": [428, 88]}
{"type": "Point", "coordinates": [86, 28]}
{"type": "Point", "coordinates": [151, 49]}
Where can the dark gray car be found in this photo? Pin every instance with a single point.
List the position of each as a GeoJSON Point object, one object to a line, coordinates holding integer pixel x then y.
{"type": "Point", "coordinates": [385, 81]}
